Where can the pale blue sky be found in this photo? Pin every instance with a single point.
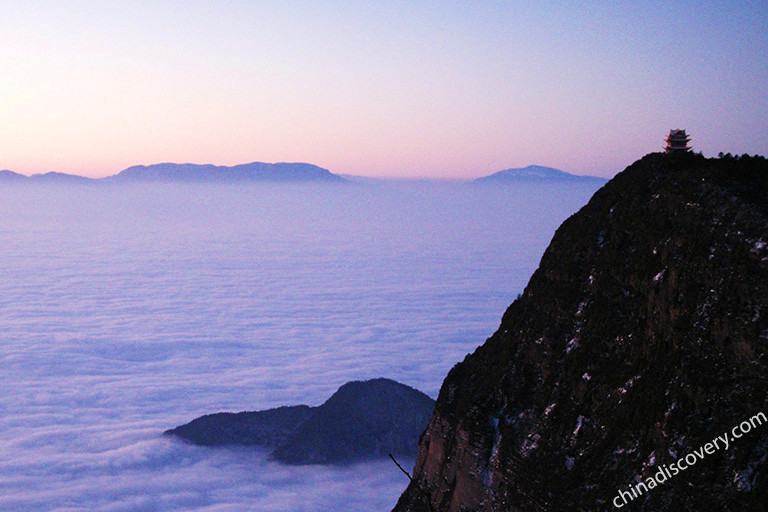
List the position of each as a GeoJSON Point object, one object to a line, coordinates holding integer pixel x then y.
{"type": "Point", "coordinates": [432, 89]}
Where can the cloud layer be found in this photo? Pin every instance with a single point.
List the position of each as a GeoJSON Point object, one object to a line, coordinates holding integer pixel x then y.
{"type": "Point", "coordinates": [129, 311]}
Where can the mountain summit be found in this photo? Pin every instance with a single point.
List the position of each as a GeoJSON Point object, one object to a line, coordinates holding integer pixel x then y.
{"type": "Point", "coordinates": [641, 338]}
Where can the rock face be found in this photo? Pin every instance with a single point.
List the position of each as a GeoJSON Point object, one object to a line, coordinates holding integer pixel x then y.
{"type": "Point", "coordinates": [362, 420]}
{"type": "Point", "coordinates": [642, 336]}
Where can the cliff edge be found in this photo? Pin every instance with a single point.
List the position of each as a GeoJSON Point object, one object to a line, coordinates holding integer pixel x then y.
{"type": "Point", "coordinates": [641, 337]}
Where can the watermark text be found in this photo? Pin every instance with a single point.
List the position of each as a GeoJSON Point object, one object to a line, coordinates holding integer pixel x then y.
{"type": "Point", "coordinates": [665, 472]}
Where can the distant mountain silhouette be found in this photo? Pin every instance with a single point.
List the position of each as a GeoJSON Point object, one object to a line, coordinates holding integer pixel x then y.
{"type": "Point", "coordinates": [7, 176]}
{"type": "Point", "coordinates": [189, 173]}
{"type": "Point", "coordinates": [47, 178]}
{"type": "Point", "coordinates": [60, 177]}
{"type": "Point", "coordinates": [256, 171]}
{"type": "Point", "coordinates": [535, 174]}
{"type": "Point", "coordinates": [361, 420]}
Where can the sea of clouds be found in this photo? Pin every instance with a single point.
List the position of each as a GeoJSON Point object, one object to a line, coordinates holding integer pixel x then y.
{"type": "Point", "coordinates": [127, 311]}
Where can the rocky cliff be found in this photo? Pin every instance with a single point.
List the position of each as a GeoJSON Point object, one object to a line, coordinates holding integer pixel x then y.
{"type": "Point", "coordinates": [641, 337]}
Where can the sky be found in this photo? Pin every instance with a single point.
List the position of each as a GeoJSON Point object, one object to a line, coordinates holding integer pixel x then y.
{"type": "Point", "coordinates": [449, 89]}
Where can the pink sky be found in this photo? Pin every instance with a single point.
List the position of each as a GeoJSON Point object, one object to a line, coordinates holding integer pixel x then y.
{"type": "Point", "coordinates": [425, 89]}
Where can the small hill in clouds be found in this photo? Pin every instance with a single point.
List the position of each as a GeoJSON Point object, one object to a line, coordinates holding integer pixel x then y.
{"type": "Point", "coordinates": [255, 171]}
{"type": "Point", "coordinates": [269, 428]}
{"type": "Point", "coordinates": [361, 420]}
{"type": "Point", "coordinates": [535, 174]}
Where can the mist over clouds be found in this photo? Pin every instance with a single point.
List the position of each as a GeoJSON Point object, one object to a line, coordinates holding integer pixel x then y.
{"type": "Point", "coordinates": [126, 311]}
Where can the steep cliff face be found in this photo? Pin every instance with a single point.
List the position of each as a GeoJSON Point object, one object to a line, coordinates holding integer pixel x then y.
{"type": "Point", "coordinates": [642, 336]}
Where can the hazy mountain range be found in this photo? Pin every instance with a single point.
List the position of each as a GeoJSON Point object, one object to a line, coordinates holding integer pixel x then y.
{"type": "Point", "coordinates": [535, 174]}
{"type": "Point", "coordinates": [265, 172]}
{"type": "Point", "coordinates": [49, 177]}
{"type": "Point", "coordinates": [190, 173]}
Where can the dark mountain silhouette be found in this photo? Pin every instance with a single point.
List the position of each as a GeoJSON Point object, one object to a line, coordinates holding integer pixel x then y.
{"type": "Point", "coordinates": [641, 337]}
{"type": "Point", "coordinates": [268, 428]}
{"type": "Point", "coordinates": [534, 174]}
{"type": "Point", "coordinates": [361, 420]}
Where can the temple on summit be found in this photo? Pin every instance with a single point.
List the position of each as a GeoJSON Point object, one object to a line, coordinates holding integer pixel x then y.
{"type": "Point", "coordinates": [677, 141]}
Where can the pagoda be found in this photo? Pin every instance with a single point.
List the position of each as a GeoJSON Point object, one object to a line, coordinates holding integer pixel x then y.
{"type": "Point", "coordinates": [677, 141]}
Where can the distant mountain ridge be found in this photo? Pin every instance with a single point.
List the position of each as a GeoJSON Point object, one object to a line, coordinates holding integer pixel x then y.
{"type": "Point", "coordinates": [190, 173]}
{"type": "Point", "coordinates": [361, 420]}
{"type": "Point", "coordinates": [254, 171]}
{"type": "Point", "coordinates": [277, 172]}
{"type": "Point", "coordinates": [7, 176]}
{"type": "Point", "coordinates": [535, 174]}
